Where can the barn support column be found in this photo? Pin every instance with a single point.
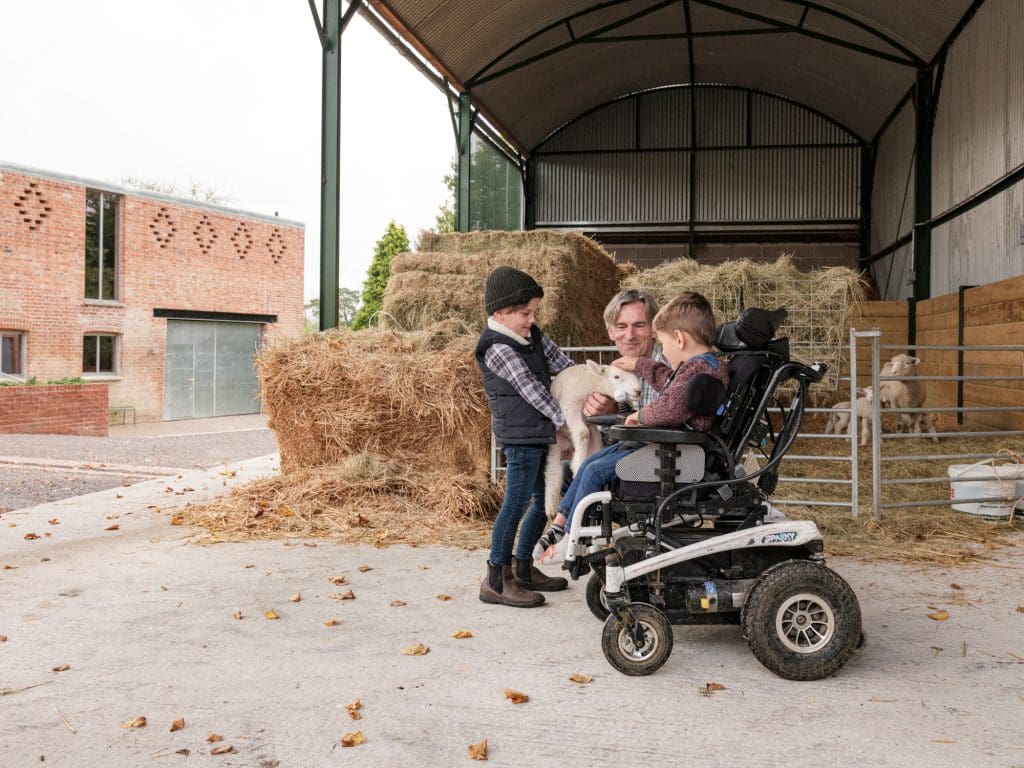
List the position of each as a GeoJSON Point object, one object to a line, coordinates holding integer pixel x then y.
{"type": "Point", "coordinates": [530, 194]}
{"type": "Point", "coordinates": [462, 138]}
{"type": "Point", "coordinates": [867, 183]}
{"type": "Point", "coordinates": [924, 122]}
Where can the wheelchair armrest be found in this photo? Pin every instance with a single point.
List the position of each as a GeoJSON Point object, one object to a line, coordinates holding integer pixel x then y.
{"type": "Point", "coordinates": [606, 420]}
{"type": "Point", "coordinates": [650, 435]}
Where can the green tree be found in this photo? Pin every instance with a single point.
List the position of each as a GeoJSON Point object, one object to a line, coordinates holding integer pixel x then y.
{"type": "Point", "coordinates": [395, 240]}
{"type": "Point", "coordinates": [445, 219]}
{"type": "Point", "coordinates": [348, 303]}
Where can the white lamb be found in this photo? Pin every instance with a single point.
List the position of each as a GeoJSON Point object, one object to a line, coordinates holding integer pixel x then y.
{"type": "Point", "coordinates": [839, 419]}
{"type": "Point", "coordinates": [571, 388]}
{"type": "Point", "coordinates": [907, 393]}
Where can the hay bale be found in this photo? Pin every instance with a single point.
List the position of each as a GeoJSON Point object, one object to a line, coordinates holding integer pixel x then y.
{"type": "Point", "coordinates": [445, 280]}
{"type": "Point", "coordinates": [819, 301]}
{"type": "Point", "coordinates": [342, 393]}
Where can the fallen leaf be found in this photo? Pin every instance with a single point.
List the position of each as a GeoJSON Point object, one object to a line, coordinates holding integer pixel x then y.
{"type": "Point", "coordinates": [422, 567]}
{"type": "Point", "coordinates": [936, 650]}
{"type": "Point", "coordinates": [135, 722]}
{"type": "Point", "coordinates": [212, 737]}
{"type": "Point", "coordinates": [331, 623]}
{"type": "Point", "coordinates": [295, 598]}
{"type": "Point", "coordinates": [1020, 609]}
{"type": "Point", "coordinates": [12, 525]}
{"type": "Point", "coordinates": [114, 527]}
{"type": "Point", "coordinates": [239, 615]}
{"type": "Point", "coordinates": [118, 495]}
{"type": "Point", "coordinates": [955, 586]}
{"type": "Point", "coordinates": [444, 598]}
{"type": "Point", "coordinates": [186, 489]}
{"type": "Point", "coordinates": [353, 709]}
{"type": "Point", "coordinates": [516, 697]}
{"type": "Point", "coordinates": [53, 521]}
{"type": "Point", "coordinates": [163, 588]}
{"type": "Point", "coordinates": [12, 567]}
{"type": "Point", "coordinates": [62, 667]}
{"type": "Point", "coordinates": [339, 580]}
{"type": "Point", "coordinates": [352, 739]}
{"type": "Point", "coordinates": [939, 615]}
{"type": "Point", "coordinates": [576, 677]}
{"type": "Point", "coordinates": [415, 650]}
{"type": "Point", "coordinates": [350, 595]}
{"type": "Point", "coordinates": [270, 616]}
{"type": "Point", "coordinates": [47, 534]}
{"type": "Point", "coordinates": [310, 544]}
{"type": "Point", "coordinates": [176, 520]}
{"type": "Point", "coordinates": [230, 473]}
{"type": "Point", "coordinates": [462, 634]}
{"type": "Point", "coordinates": [110, 517]}
{"type": "Point", "coordinates": [3, 638]}
{"type": "Point", "coordinates": [397, 603]}
{"type": "Point", "coordinates": [250, 565]}
{"type": "Point", "coordinates": [31, 536]}
{"type": "Point", "coordinates": [178, 724]}
{"type": "Point", "coordinates": [478, 751]}
{"type": "Point", "coordinates": [710, 688]}
{"type": "Point", "coordinates": [222, 750]}
{"type": "Point", "coordinates": [183, 751]}
{"type": "Point", "coordinates": [365, 568]}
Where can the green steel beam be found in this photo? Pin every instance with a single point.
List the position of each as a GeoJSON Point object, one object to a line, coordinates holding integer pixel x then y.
{"type": "Point", "coordinates": [462, 177]}
{"type": "Point", "coordinates": [924, 122]}
{"type": "Point", "coordinates": [330, 168]}
{"type": "Point", "coordinates": [530, 194]}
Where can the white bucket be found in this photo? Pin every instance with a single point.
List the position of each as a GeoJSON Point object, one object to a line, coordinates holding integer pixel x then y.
{"type": "Point", "coordinates": [1003, 483]}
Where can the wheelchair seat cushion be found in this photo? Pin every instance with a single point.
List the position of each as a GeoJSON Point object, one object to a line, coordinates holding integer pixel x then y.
{"type": "Point", "coordinates": [640, 466]}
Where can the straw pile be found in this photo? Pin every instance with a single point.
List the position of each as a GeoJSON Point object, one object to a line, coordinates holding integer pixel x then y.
{"type": "Point", "coordinates": [819, 301]}
{"type": "Point", "coordinates": [445, 279]}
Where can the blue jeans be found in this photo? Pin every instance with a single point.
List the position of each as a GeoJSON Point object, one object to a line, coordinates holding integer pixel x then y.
{"type": "Point", "coordinates": [594, 474]}
{"type": "Point", "coordinates": [524, 485]}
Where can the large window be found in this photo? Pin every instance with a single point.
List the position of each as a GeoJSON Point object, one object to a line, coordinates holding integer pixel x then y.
{"type": "Point", "coordinates": [99, 353]}
{"type": "Point", "coordinates": [12, 353]}
{"type": "Point", "coordinates": [100, 245]}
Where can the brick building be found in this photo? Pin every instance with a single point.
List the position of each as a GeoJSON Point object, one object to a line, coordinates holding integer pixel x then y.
{"type": "Point", "coordinates": [166, 299]}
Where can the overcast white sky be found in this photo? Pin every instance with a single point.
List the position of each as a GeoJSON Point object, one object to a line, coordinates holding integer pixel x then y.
{"type": "Point", "coordinates": [226, 92]}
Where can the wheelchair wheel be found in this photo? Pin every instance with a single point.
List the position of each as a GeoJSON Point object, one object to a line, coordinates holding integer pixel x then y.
{"type": "Point", "coordinates": [595, 597]}
{"type": "Point", "coordinates": [641, 650]}
{"type": "Point", "coordinates": [802, 621]}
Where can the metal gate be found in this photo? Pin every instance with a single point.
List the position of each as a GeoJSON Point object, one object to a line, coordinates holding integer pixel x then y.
{"type": "Point", "coordinates": [209, 369]}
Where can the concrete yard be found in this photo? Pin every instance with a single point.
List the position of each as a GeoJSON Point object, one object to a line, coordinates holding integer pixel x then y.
{"type": "Point", "coordinates": [145, 619]}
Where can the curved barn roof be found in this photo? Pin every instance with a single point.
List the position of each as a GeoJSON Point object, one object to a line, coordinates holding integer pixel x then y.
{"type": "Point", "coordinates": [532, 65]}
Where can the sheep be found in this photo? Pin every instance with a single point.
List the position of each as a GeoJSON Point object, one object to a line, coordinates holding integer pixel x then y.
{"type": "Point", "coordinates": [906, 393]}
{"type": "Point", "coordinates": [839, 419]}
{"type": "Point", "coordinates": [571, 388]}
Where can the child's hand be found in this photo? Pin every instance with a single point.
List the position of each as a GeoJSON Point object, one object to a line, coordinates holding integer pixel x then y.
{"type": "Point", "coordinates": [625, 363]}
{"type": "Point", "coordinates": [632, 420]}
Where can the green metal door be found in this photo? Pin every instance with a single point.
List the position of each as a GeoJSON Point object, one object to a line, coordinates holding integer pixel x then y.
{"type": "Point", "coordinates": [209, 369]}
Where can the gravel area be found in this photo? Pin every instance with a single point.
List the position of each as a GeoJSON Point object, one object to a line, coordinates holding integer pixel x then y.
{"type": "Point", "coordinates": [26, 487]}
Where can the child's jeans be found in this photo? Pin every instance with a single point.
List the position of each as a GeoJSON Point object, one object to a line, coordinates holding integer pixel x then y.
{"type": "Point", "coordinates": [593, 475]}
{"type": "Point", "coordinates": [524, 479]}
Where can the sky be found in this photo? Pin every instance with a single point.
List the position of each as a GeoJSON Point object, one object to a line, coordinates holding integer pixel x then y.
{"type": "Point", "coordinates": [225, 92]}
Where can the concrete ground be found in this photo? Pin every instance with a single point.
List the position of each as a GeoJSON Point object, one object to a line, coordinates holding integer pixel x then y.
{"type": "Point", "coordinates": [152, 624]}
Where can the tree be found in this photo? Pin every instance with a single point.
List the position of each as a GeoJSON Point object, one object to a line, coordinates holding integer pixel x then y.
{"type": "Point", "coordinates": [395, 240]}
{"type": "Point", "coordinates": [445, 219]}
{"type": "Point", "coordinates": [348, 303]}
{"type": "Point", "coordinates": [197, 190]}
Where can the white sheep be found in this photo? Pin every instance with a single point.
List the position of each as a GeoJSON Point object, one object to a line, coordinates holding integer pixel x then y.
{"type": "Point", "coordinates": [571, 388]}
{"type": "Point", "coordinates": [907, 393]}
{"type": "Point", "coordinates": [839, 419]}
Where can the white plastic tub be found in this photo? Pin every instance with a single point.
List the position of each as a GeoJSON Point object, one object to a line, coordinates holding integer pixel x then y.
{"type": "Point", "coordinates": [1003, 483]}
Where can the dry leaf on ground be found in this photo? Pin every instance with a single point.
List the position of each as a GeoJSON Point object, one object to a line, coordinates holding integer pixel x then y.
{"type": "Point", "coordinates": [349, 595]}
{"type": "Point", "coordinates": [177, 520]}
{"type": "Point", "coordinates": [295, 598]}
{"type": "Point", "coordinates": [53, 521]}
{"type": "Point", "coordinates": [114, 527]}
{"type": "Point", "coordinates": [135, 722]}
{"type": "Point", "coordinates": [710, 688]}
{"type": "Point", "coordinates": [353, 709]}
{"type": "Point", "coordinates": [516, 697]}
{"type": "Point", "coordinates": [12, 567]}
{"type": "Point", "coordinates": [576, 677]}
{"type": "Point", "coordinates": [222, 750]}
{"type": "Point", "coordinates": [31, 536]}
{"type": "Point", "coordinates": [62, 668]}
{"type": "Point", "coordinates": [3, 638]}
{"type": "Point", "coordinates": [212, 737]}
{"type": "Point", "coordinates": [239, 615]}
{"type": "Point", "coordinates": [478, 751]}
{"type": "Point", "coordinates": [462, 634]}
{"type": "Point", "coordinates": [444, 598]}
{"type": "Point", "coordinates": [416, 650]}
{"type": "Point", "coordinates": [331, 623]}
{"type": "Point", "coordinates": [397, 603]}
{"type": "Point", "coordinates": [939, 615]}
{"type": "Point", "coordinates": [270, 615]}
{"type": "Point", "coordinates": [352, 739]}
{"type": "Point", "coordinates": [1020, 609]}
{"type": "Point", "coordinates": [365, 568]}
{"type": "Point", "coordinates": [178, 724]}
{"type": "Point", "coordinates": [339, 580]}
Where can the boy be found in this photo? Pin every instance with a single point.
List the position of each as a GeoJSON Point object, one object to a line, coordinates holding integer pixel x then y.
{"type": "Point", "coordinates": [685, 328]}
{"type": "Point", "coordinates": [517, 361]}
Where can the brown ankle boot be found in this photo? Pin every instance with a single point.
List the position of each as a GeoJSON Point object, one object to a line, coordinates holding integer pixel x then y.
{"type": "Point", "coordinates": [500, 587]}
{"type": "Point", "coordinates": [531, 577]}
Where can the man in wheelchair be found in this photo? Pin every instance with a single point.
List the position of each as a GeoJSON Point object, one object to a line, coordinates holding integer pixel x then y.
{"type": "Point", "coordinates": [692, 545]}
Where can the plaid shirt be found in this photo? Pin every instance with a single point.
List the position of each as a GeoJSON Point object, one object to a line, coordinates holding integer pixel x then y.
{"type": "Point", "coordinates": [505, 362]}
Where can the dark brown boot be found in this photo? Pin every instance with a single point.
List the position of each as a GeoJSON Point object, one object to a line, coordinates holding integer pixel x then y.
{"type": "Point", "coordinates": [500, 587]}
{"type": "Point", "coordinates": [531, 577]}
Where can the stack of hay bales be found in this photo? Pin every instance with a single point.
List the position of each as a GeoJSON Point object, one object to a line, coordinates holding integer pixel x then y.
{"type": "Point", "coordinates": [445, 279]}
{"type": "Point", "coordinates": [819, 301]}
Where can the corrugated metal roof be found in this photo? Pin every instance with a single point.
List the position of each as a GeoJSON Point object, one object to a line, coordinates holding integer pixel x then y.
{"type": "Point", "coordinates": [857, 85]}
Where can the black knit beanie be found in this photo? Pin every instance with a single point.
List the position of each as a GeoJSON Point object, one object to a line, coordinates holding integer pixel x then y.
{"type": "Point", "coordinates": [509, 287]}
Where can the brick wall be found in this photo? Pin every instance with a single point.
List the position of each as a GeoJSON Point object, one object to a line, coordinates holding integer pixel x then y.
{"type": "Point", "coordinates": [59, 409]}
{"type": "Point", "coordinates": [173, 255]}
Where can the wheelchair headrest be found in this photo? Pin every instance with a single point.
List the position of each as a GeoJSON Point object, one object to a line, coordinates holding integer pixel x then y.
{"type": "Point", "coordinates": [705, 394]}
{"type": "Point", "coordinates": [753, 329]}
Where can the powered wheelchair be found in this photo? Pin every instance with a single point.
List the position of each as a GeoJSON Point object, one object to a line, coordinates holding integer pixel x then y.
{"type": "Point", "coordinates": [696, 541]}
